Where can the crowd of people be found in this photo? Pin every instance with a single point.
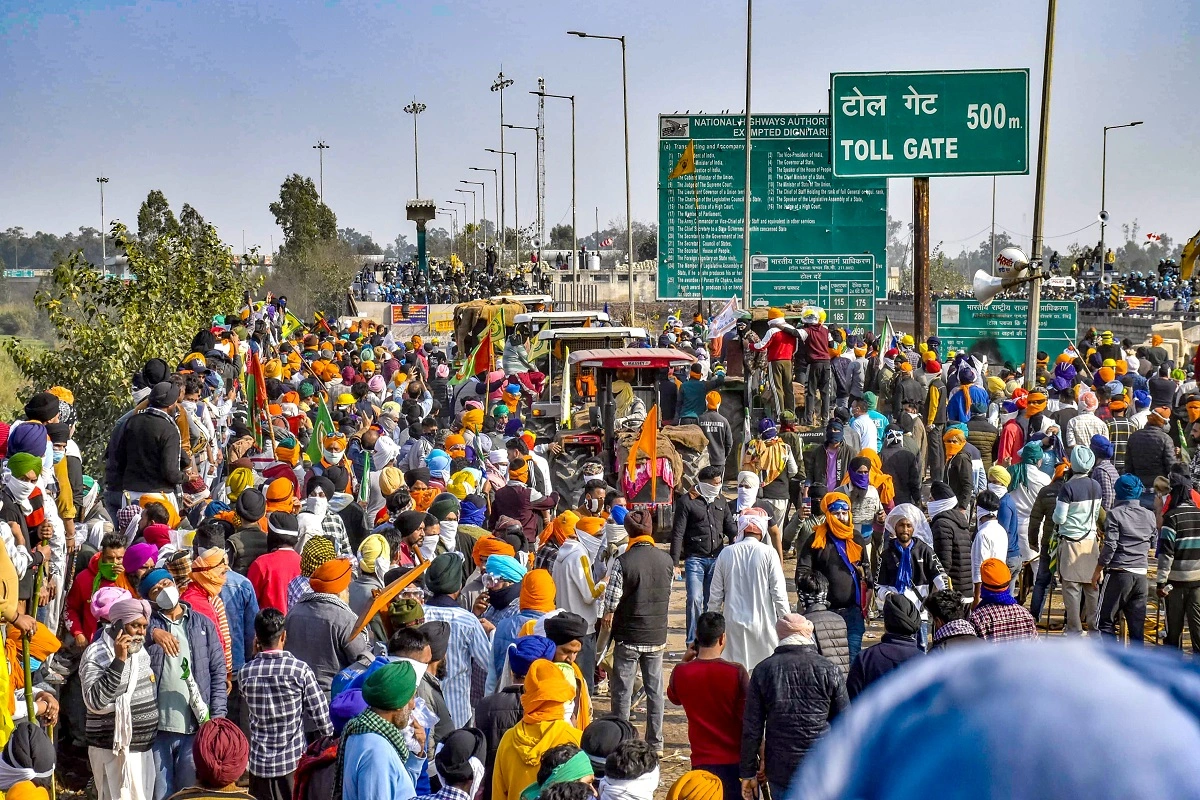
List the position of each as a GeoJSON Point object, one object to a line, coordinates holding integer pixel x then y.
{"type": "Point", "coordinates": [446, 281]}
{"type": "Point", "coordinates": [323, 563]}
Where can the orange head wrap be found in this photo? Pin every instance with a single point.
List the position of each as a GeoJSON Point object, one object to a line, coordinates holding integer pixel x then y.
{"type": "Point", "coordinates": [1106, 374]}
{"type": "Point", "coordinates": [280, 495]}
{"type": "Point", "coordinates": [843, 531]}
{"type": "Point", "coordinates": [332, 577]}
{"type": "Point", "coordinates": [546, 690]}
{"type": "Point", "coordinates": [560, 528]}
{"type": "Point", "coordinates": [590, 525]}
{"type": "Point", "coordinates": [953, 441]}
{"type": "Point", "coordinates": [537, 591]}
{"type": "Point", "coordinates": [712, 400]}
{"type": "Point", "coordinates": [490, 546]}
{"type": "Point", "coordinates": [518, 470]}
{"type": "Point", "coordinates": [1193, 409]}
{"type": "Point", "coordinates": [1037, 403]}
{"type": "Point", "coordinates": [699, 784]}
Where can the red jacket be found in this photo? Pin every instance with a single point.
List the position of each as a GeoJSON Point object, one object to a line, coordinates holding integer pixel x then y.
{"type": "Point", "coordinates": [780, 344]}
{"type": "Point", "coordinates": [79, 599]}
{"type": "Point", "coordinates": [270, 575]}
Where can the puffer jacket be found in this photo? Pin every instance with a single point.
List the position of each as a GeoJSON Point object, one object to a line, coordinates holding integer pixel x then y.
{"type": "Point", "coordinates": [984, 436]}
{"type": "Point", "coordinates": [829, 629]}
{"type": "Point", "coordinates": [794, 695]}
{"type": "Point", "coordinates": [952, 545]}
{"type": "Point", "coordinates": [873, 663]}
{"type": "Point", "coordinates": [1149, 454]}
{"type": "Point", "coordinates": [208, 658]}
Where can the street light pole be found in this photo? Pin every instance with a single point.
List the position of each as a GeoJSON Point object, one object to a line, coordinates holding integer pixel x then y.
{"type": "Point", "coordinates": [499, 85]}
{"type": "Point", "coordinates": [321, 147]}
{"type": "Point", "coordinates": [746, 288]}
{"type": "Point", "coordinates": [103, 237]}
{"type": "Point", "coordinates": [1039, 196]}
{"type": "Point", "coordinates": [496, 234]}
{"type": "Point", "coordinates": [464, 216]}
{"type": "Point", "coordinates": [516, 203]}
{"type": "Point", "coordinates": [452, 213]}
{"type": "Point", "coordinates": [474, 222]}
{"type": "Point", "coordinates": [537, 133]}
{"type": "Point", "coordinates": [483, 194]}
{"type": "Point", "coordinates": [574, 230]}
{"type": "Point", "coordinates": [628, 190]}
{"type": "Point", "coordinates": [1103, 185]}
{"type": "Point", "coordinates": [415, 108]}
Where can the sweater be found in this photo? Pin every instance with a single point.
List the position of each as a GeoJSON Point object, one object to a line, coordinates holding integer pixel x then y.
{"type": "Point", "coordinates": [520, 754]}
{"type": "Point", "coordinates": [104, 679]}
{"type": "Point", "coordinates": [1179, 545]}
{"type": "Point", "coordinates": [720, 437]}
{"type": "Point", "coordinates": [713, 695]}
{"type": "Point", "coordinates": [872, 663]}
{"type": "Point", "coordinates": [270, 575]}
{"type": "Point", "coordinates": [1077, 508]}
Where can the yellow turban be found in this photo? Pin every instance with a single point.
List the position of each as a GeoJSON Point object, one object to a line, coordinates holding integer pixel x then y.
{"type": "Point", "coordinates": [272, 369]}
{"type": "Point", "coordinates": [462, 483]}
{"type": "Point", "coordinates": [239, 481]}
{"type": "Point", "coordinates": [697, 784]}
{"type": "Point", "coordinates": [390, 481]}
{"type": "Point", "coordinates": [373, 549]}
{"type": "Point", "coordinates": [473, 420]}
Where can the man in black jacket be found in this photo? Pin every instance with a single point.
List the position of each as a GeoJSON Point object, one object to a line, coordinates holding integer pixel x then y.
{"type": "Point", "coordinates": [150, 459]}
{"type": "Point", "coordinates": [1150, 452]}
{"type": "Point", "coordinates": [716, 428]}
{"type": "Point", "coordinates": [903, 465]}
{"type": "Point", "coordinates": [901, 622]}
{"type": "Point", "coordinates": [951, 536]}
{"type": "Point", "coordinates": [702, 525]}
{"type": "Point", "coordinates": [794, 695]}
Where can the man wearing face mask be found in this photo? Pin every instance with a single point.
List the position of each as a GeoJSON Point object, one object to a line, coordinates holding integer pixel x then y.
{"type": "Point", "coordinates": [316, 518]}
{"type": "Point", "coordinates": [592, 500]}
{"type": "Point", "coordinates": [121, 698]}
{"type": "Point", "coordinates": [189, 668]}
{"type": "Point", "coordinates": [702, 524]}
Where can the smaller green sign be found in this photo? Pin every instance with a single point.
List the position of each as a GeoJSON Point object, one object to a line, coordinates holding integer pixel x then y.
{"type": "Point", "coordinates": [921, 124]}
{"type": "Point", "coordinates": [18, 273]}
{"type": "Point", "coordinates": [999, 330]}
{"type": "Point", "coordinates": [843, 285]}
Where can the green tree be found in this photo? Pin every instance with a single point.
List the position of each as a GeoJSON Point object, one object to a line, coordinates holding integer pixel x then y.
{"type": "Point", "coordinates": [316, 280]}
{"type": "Point", "coordinates": [155, 217]}
{"type": "Point", "coordinates": [304, 218]}
{"type": "Point", "coordinates": [560, 237]}
{"type": "Point", "coordinates": [361, 243]}
{"type": "Point", "coordinates": [107, 329]}
{"type": "Point", "coordinates": [400, 249]}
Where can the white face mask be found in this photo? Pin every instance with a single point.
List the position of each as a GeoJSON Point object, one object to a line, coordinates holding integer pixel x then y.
{"type": "Point", "coordinates": [708, 491]}
{"type": "Point", "coordinates": [167, 598]}
{"type": "Point", "coordinates": [334, 457]}
{"type": "Point", "coordinates": [568, 710]}
{"type": "Point", "coordinates": [447, 530]}
{"type": "Point", "coordinates": [428, 545]}
{"type": "Point", "coordinates": [316, 506]}
{"type": "Point", "coordinates": [592, 504]}
{"type": "Point", "coordinates": [746, 496]}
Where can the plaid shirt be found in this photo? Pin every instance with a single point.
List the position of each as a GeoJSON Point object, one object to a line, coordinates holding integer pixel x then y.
{"type": "Point", "coordinates": [612, 597]}
{"type": "Point", "coordinates": [468, 646]}
{"type": "Point", "coordinates": [1105, 474]}
{"type": "Point", "coordinates": [546, 556]}
{"type": "Point", "coordinates": [996, 622]}
{"type": "Point", "coordinates": [282, 694]}
{"type": "Point", "coordinates": [447, 793]}
{"type": "Point", "coordinates": [333, 527]}
{"type": "Point", "coordinates": [1119, 429]}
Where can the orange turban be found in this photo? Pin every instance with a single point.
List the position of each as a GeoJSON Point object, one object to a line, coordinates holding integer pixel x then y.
{"type": "Point", "coordinates": [546, 690]}
{"type": "Point", "coordinates": [280, 494]}
{"type": "Point", "coordinates": [712, 400]}
{"type": "Point", "coordinates": [490, 546]}
{"type": "Point", "coordinates": [906, 366]}
{"type": "Point", "coordinates": [560, 528]}
{"type": "Point", "coordinates": [590, 525]}
{"type": "Point", "coordinates": [698, 784]}
{"type": "Point", "coordinates": [537, 591]}
{"type": "Point", "coordinates": [994, 575]}
{"type": "Point", "coordinates": [332, 577]}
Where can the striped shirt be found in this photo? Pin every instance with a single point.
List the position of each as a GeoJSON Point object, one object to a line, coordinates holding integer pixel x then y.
{"type": "Point", "coordinates": [282, 694]}
{"type": "Point", "coordinates": [104, 679]}
{"type": "Point", "coordinates": [468, 645]}
{"type": "Point", "coordinates": [1179, 545]}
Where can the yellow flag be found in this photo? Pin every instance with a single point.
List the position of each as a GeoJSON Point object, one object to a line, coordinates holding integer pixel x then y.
{"type": "Point", "coordinates": [539, 349]}
{"type": "Point", "coordinates": [496, 327]}
{"type": "Point", "coordinates": [1191, 254]}
{"type": "Point", "coordinates": [686, 164]}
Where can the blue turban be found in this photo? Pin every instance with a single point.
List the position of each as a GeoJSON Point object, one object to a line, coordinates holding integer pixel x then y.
{"type": "Point", "coordinates": [966, 375]}
{"type": "Point", "coordinates": [150, 580]}
{"type": "Point", "coordinates": [1102, 447]}
{"type": "Point", "coordinates": [619, 513]}
{"type": "Point", "coordinates": [1115, 388]}
{"type": "Point", "coordinates": [471, 514]}
{"type": "Point", "coordinates": [834, 432]}
{"type": "Point", "coordinates": [504, 567]}
{"type": "Point", "coordinates": [528, 649]}
{"type": "Point", "coordinates": [767, 429]}
{"type": "Point", "coordinates": [438, 462]}
{"type": "Point", "coordinates": [1129, 487]}
{"type": "Point", "coordinates": [990, 728]}
{"type": "Point", "coordinates": [1141, 399]}
{"type": "Point", "coordinates": [28, 437]}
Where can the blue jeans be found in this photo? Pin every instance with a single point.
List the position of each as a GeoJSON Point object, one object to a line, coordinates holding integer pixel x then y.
{"type": "Point", "coordinates": [856, 626]}
{"type": "Point", "coordinates": [697, 573]}
{"type": "Point", "coordinates": [1041, 584]}
{"type": "Point", "coordinates": [174, 763]}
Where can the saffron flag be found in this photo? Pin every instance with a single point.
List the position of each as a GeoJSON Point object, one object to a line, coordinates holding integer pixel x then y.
{"type": "Point", "coordinates": [686, 165]}
{"type": "Point", "coordinates": [1191, 254]}
{"type": "Point", "coordinates": [647, 442]}
{"type": "Point", "coordinates": [477, 362]}
{"type": "Point", "coordinates": [256, 394]}
{"type": "Point", "coordinates": [322, 427]}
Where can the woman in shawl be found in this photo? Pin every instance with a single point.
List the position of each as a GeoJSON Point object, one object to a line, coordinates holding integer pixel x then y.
{"type": "Point", "coordinates": [908, 565]}
{"type": "Point", "coordinates": [631, 411]}
{"type": "Point", "coordinates": [839, 553]}
{"type": "Point", "coordinates": [1027, 480]}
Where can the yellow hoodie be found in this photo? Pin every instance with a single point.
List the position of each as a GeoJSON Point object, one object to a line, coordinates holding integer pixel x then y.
{"type": "Point", "coordinates": [520, 752]}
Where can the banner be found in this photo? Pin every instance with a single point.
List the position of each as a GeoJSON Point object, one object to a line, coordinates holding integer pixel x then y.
{"type": "Point", "coordinates": [724, 321]}
{"type": "Point", "coordinates": [1136, 301]}
{"type": "Point", "coordinates": [418, 314]}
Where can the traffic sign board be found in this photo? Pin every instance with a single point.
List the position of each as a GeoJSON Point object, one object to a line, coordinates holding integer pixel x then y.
{"type": "Point", "coordinates": [924, 124]}
{"type": "Point", "coordinates": [999, 329]}
{"type": "Point", "coordinates": [807, 227]}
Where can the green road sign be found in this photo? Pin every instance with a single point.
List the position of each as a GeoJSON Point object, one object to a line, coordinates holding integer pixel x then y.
{"type": "Point", "coordinates": [18, 273]}
{"type": "Point", "coordinates": [800, 211]}
{"type": "Point", "coordinates": [924, 124]}
{"type": "Point", "coordinates": [999, 329]}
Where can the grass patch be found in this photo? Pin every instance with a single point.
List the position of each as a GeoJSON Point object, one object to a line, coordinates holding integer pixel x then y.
{"type": "Point", "coordinates": [12, 385]}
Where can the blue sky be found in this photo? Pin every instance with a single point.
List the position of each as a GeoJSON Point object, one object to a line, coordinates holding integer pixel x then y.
{"type": "Point", "coordinates": [216, 102]}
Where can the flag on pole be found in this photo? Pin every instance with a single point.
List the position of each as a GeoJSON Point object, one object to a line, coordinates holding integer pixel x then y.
{"type": "Point", "coordinates": [1191, 254]}
{"type": "Point", "coordinates": [477, 362]}
{"type": "Point", "coordinates": [887, 341]}
{"type": "Point", "coordinates": [291, 323]}
{"type": "Point", "coordinates": [539, 349]}
{"type": "Point", "coordinates": [496, 328]}
{"type": "Point", "coordinates": [364, 488]}
{"type": "Point", "coordinates": [255, 389]}
{"type": "Point", "coordinates": [322, 427]}
{"type": "Point", "coordinates": [686, 165]}
{"type": "Point", "coordinates": [564, 416]}
{"type": "Point", "coordinates": [724, 321]}
{"type": "Point", "coordinates": [647, 442]}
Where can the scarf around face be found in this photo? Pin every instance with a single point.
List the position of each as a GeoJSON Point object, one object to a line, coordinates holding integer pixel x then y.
{"type": "Point", "coordinates": [368, 722]}
{"type": "Point", "coordinates": [840, 531]}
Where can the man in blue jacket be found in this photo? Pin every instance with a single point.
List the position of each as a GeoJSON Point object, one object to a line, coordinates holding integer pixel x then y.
{"type": "Point", "coordinates": [185, 651]}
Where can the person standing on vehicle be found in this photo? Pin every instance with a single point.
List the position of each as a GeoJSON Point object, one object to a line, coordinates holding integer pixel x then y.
{"type": "Point", "coordinates": [716, 428]}
{"type": "Point", "coordinates": [815, 337]}
{"type": "Point", "coordinates": [780, 344]}
{"type": "Point", "coordinates": [702, 524]}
